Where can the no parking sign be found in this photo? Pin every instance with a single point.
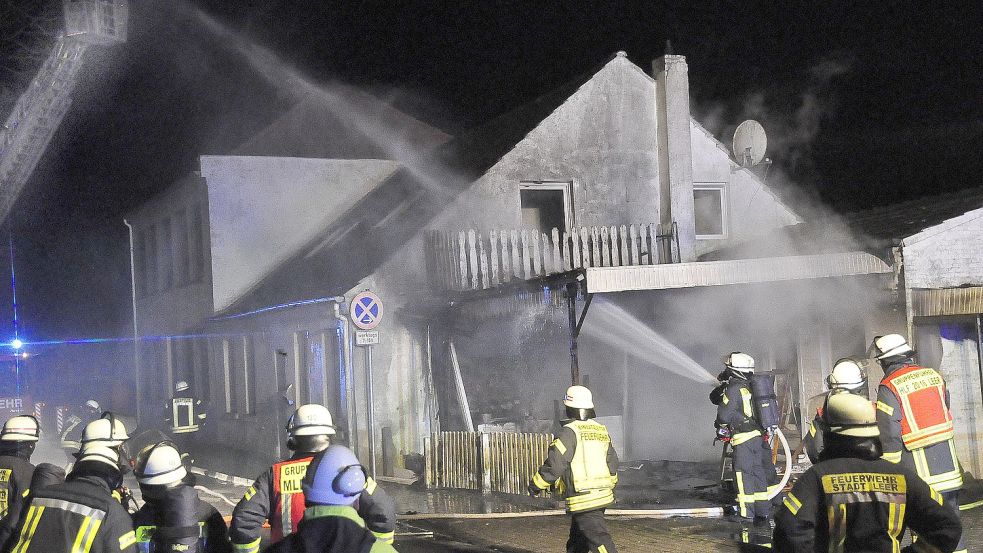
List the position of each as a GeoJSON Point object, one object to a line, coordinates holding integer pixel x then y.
{"type": "Point", "coordinates": [366, 310]}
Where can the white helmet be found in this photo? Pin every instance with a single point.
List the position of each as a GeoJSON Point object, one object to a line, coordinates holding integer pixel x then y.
{"type": "Point", "coordinates": [23, 428]}
{"type": "Point", "coordinates": [107, 431]}
{"type": "Point", "coordinates": [99, 452]}
{"type": "Point", "coordinates": [847, 374]}
{"type": "Point", "coordinates": [850, 415]}
{"type": "Point", "coordinates": [159, 464]}
{"type": "Point", "coordinates": [92, 404]}
{"type": "Point", "coordinates": [181, 386]}
{"type": "Point", "coordinates": [310, 420]}
{"type": "Point", "coordinates": [578, 397]}
{"type": "Point", "coordinates": [740, 362]}
{"type": "Point", "coordinates": [890, 345]}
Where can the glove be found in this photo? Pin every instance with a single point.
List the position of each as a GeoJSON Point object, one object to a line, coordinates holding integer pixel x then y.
{"type": "Point", "coordinates": [178, 508]}
{"type": "Point", "coordinates": [533, 490]}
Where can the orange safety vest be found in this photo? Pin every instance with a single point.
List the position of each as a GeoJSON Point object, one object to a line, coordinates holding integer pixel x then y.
{"type": "Point", "coordinates": [288, 498]}
{"type": "Point", "coordinates": [925, 418]}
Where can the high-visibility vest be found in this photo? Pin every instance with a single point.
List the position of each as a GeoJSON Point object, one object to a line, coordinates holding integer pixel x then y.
{"type": "Point", "coordinates": [925, 418]}
{"type": "Point", "coordinates": [589, 483]}
{"type": "Point", "coordinates": [183, 419]}
{"type": "Point", "coordinates": [288, 498]}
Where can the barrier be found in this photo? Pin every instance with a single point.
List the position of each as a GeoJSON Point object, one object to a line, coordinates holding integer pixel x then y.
{"type": "Point", "coordinates": [487, 461]}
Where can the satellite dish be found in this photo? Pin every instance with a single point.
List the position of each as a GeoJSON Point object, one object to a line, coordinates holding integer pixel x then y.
{"type": "Point", "coordinates": [750, 143]}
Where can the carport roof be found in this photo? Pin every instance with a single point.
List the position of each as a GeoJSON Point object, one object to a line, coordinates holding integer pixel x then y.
{"type": "Point", "coordinates": [739, 271]}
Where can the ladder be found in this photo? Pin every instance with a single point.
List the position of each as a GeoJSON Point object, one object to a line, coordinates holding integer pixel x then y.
{"type": "Point", "coordinates": [40, 109]}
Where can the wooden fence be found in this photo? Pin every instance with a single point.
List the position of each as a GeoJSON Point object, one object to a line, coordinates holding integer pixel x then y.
{"type": "Point", "coordinates": [490, 462]}
{"type": "Point", "coordinates": [470, 260]}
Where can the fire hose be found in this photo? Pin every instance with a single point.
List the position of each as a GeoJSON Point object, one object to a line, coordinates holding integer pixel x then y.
{"type": "Point", "coordinates": [788, 464]}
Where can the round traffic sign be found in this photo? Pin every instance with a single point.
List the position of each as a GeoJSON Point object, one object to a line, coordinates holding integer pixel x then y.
{"type": "Point", "coordinates": [366, 310]}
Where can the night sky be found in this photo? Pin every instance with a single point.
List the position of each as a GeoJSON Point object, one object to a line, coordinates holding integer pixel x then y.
{"type": "Point", "coordinates": [864, 106]}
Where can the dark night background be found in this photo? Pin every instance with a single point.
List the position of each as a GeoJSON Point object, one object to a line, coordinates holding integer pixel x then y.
{"type": "Point", "coordinates": [864, 105]}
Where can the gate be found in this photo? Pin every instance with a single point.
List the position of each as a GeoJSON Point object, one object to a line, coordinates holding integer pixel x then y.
{"type": "Point", "coordinates": [490, 462]}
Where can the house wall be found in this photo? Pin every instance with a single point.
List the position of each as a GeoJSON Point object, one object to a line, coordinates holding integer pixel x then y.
{"type": "Point", "coordinates": [948, 255]}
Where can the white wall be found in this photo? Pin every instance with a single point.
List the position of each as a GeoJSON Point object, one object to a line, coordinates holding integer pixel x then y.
{"type": "Point", "coordinates": [948, 255]}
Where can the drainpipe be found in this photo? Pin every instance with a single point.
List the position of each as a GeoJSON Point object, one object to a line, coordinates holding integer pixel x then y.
{"type": "Point", "coordinates": [136, 335]}
{"type": "Point", "coordinates": [347, 350]}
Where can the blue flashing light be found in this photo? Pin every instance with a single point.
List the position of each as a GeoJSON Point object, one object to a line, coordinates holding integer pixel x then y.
{"type": "Point", "coordinates": [16, 343]}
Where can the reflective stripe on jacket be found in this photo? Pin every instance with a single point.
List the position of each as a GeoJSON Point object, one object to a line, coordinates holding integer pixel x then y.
{"type": "Point", "coordinates": [79, 516]}
{"type": "Point", "coordinates": [288, 498]}
{"type": "Point", "coordinates": [921, 394]}
{"type": "Point", "coordinates": [584, 465]}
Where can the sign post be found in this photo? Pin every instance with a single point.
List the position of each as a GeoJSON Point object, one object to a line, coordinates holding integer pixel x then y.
{"type": "Point", "coordinates": [366, 313]}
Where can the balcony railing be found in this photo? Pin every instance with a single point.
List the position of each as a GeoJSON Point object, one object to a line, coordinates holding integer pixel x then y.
{"type": "Point", "coordinates": [471, 260]}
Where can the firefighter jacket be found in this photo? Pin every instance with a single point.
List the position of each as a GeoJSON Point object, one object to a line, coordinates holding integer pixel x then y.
{"type": "Point", "coordinates": [850, 504]}
{"type": "Point", "coordinates": [79, 516]}
{"type": "Point", "coordinates": [331, 529]}
{"type": "Point", "coordinates": [16, 473]}
{"type": "Point", "coordinates": [916, 425]}
{"type": "Point", "coordinates": [276, 497]}
{"type": "Point", "coordinates": [736, 411]}
{"type": "Point", "coordinates": [155, 533]}
{"type": "Point", "coordinates": [184, 414]}
{"type": "Point", "coordinates": [582, 464]}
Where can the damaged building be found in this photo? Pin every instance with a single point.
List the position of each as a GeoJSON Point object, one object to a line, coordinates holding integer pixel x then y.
{"type": "Point", "coordinates": [598, 233]}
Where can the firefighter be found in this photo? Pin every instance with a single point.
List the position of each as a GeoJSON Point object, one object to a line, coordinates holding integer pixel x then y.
{"type": "Point", "coordinates": [584, 468]}
{"type": "Point", "coordinates": [847, 376]}
{"type": "Point", "coordinates": [334, 482]}
{"type": "Point", "coordinates": [737, 422]}
{"type": "Point", "coordinates": [73, 426]}
{"type": "Point", "coordinates": [173, 518]}
{"type": "Point", "coordinates": [184, 416]}
{"type": "Point", "coordinates": [17, 441]}
{"type": "Point", "coordinates": [276, 495]}
{"type": "Point", "coordinates": [81, 515]}
{"type": "Point", "coordinates": [853, 500]}
{"type": "Point", "coordinates": [914, 419]}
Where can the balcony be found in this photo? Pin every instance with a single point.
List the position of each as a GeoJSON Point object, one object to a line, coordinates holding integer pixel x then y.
{"type": "Point", "coordinates": [471, 260]}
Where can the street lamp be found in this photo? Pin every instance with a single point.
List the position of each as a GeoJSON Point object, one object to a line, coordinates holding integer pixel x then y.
{"type": "Point", "coordinates": [17, 343]}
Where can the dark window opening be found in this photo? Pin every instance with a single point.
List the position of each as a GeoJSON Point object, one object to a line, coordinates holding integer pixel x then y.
{"type": "Point", "coordinates": [708, 207]}
{"type": "Point", "coordinates": [543, 210]}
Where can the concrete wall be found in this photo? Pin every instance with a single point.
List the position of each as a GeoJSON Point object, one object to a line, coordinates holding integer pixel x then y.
{"type": "Point", "coordinates": [752, 209]}
{"type": "Point", "coordinates": [948, 255]}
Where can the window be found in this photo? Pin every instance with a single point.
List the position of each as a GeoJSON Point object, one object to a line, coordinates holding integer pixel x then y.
{"type": "Point", "coordinates": [181, 247]}
{"type": "Point", "coordinates": [150, 256]}
{"type": "Point", "coordinates": [166, 254]}
{"type": "Point", "coordinates": [545, 206]}
{"type": "Point", "coordinates": [197, 244]}
{"type": "Point", "coordinates": [710, 210]}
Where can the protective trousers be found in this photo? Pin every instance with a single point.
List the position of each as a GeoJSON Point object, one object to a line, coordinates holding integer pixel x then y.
{"type": "Point", "coordinates": [951, 500]}
{"type": "Point", "coordinates": [589, 533]}
{"type": "Point", "coordinates": [752, 460]}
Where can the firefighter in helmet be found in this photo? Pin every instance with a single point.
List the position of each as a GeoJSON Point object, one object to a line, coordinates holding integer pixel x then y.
{"type": "Point", "coordinates": [17, 442]}
{"type": "Point", "coordinates": [583, 465]}
{"type": "Point", "coordinates": [914, 419]}
{"type": "Point", "coordinates": [738, 423]}
{"type": "Point", "coordinates": [333, 482]}
{"type": "Point", "coordinates": [84, 513]}
{"type": "Point", "coordinates": [173, 518]}
{"type": "Point", "coordinates": [276, 495]}
{"type": "Point", "coordinates": [184, 415]}
{"type": "Point", "coordinates": [853, 500]}
{"type": "Point", "coordinates": [847, 376]}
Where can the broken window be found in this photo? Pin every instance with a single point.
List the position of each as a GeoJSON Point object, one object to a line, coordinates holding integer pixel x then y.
{"type": "Point", "coordinates": [545, 206]}
{"type": "Point", "coordinates": [709, 203]}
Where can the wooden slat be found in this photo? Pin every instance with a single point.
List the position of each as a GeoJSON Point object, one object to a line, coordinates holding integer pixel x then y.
{"type": "Point", "coordinates": [462, 260]}
{"type": "Point", "coordinates": [473, 260]}
{"type": "Point", "coordinates": [623, 239]}
{"type": "Point", "coordinates": [605, 248]}
{"type": "Point", "coordinates": [516, 259]}
{"type": "Point", "coordinates": [595, 247]}
{"type": "Point", "coordinates": [506, 258]}
{"type": "Point", "coordinates": [633, 245]}
{"type": "Point", "coordinates": [558, 265]}
{"type": "Point", "coordinates": [526, 256]}
{"type": "Point", "coordinates": [483, 263]}
{"type": "Point", "coordinates": [567, 258]}
{"type": "Point", "coordinates": [537, 260]}
{"type": "Point", "coordinates": [493, 253]}
{"type": "Point", "coordinates": [575, 260]}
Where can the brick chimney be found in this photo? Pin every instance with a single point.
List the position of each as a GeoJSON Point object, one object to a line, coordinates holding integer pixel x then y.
{"type": "Point", "coordinates": [675, 150]}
